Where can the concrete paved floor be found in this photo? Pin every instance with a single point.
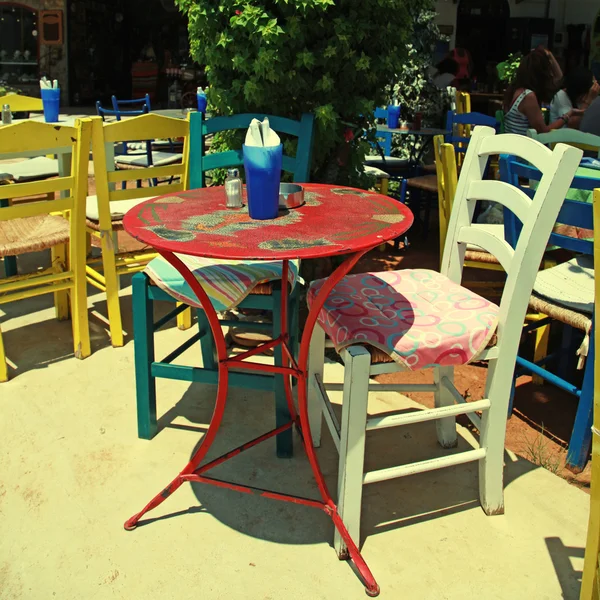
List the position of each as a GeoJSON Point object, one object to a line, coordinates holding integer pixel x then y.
{"type": "Point", "coordinates": [72, 470]}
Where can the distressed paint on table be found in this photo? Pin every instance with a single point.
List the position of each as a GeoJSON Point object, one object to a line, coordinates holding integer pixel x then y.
{"type": "Point", "coordinates": [333, 220]}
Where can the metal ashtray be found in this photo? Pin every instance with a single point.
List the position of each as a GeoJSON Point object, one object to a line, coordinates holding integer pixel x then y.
{"type": "Point", "coordinates": [291, 195]}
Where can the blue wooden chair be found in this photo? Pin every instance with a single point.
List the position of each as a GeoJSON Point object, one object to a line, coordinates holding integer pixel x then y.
{"type": "Point", "coordinates": [268, 297]}
{"type": "Point", "coordinates": [384, 160]}
{"type": "Point", "coordinates": [564, 293]}
{"type": "Point", "coordinates": [460, 128]}
{"type": "Point", "coordinates": [125, 148]}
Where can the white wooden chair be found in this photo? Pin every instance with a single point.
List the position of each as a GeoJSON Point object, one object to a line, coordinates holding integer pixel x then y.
{"type": "Point", "coordinates": [572, 137]}
{"type": "Point", "coordinates": [406, 303]}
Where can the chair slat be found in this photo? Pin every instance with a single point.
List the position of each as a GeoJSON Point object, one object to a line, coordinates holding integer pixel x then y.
{"type": "Point", "coordinates": [35, 188]}
{"type": "Point", "coordinates": [149, 173]}
{"type": "Point", "coordinates": [145, 127]}
{"type": "Point", "coordinates": [133, 194]}
{"type": "Point", "coordinates": [32, 136]}
{"type": "Point", "coordinates": [228, 123]}
{"type": "Point", "coordinates": [488, 242]}
{"type": "Point", "coordinates": [32, 209]}
{"type": "Point", "coordinates": [503, 193]}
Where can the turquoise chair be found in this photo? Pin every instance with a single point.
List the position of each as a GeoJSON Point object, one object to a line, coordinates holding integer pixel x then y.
{"type": "Point", "coordinates": [147, 368]}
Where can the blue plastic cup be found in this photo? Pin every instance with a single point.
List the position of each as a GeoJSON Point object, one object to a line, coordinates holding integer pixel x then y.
{"type": "Point", "coordinates": [263, 176]}
{"type": "Point", "coordinates": [393, 116]}
{"type": "Point", "coordinates": [202, 102]}
{"type": "Point", "coordinates": [51, 101]}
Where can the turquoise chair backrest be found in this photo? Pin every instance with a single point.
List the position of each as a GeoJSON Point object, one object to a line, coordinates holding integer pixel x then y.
{"type": "Point", "coordinates": [298, 166]}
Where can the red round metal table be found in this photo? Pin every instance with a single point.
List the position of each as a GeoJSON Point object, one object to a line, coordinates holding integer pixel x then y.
{"type": "Point", "coordinates": [333, 221]}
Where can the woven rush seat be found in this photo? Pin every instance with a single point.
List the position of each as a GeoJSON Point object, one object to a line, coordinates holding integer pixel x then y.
{"type": "Point", "coordinates": [566, 292]}
{"type": "Point", "coordinates": [227, 283]}
{"type": "Point", "coordinates": [427, 183]}
{"type": "Point", "coordinates": [32, 234]}
{"type": "Point", "coordinates": [415, 317]}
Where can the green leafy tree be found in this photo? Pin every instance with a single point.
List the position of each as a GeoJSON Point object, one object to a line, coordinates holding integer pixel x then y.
{"type": "Point", "coordinates": [285, 57]}
{"type": "Point", "coordinates": [412, 85]}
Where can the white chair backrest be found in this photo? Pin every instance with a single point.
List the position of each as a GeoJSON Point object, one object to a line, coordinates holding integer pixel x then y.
{"type": "Point", "coordinates": [574, 137]}
{"type": "Point", "coordinates": [538, 216]}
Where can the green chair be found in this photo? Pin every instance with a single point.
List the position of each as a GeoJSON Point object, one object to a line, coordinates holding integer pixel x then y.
{"type": "Point", "coordinates": [147, 368]}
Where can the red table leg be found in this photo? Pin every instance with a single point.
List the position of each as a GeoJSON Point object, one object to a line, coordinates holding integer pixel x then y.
{"type": "Point", "coordinates": [194, 472]}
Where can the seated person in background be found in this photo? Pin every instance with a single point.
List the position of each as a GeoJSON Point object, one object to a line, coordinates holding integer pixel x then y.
{"type": "Point", "coordinates": [580, 90]}
{"type": "Point", "coordinates": [445, 73]}
{"type": "Point", "coordinates": [537, 80]}
{"type": "Point", "coordinates": [590, 122]}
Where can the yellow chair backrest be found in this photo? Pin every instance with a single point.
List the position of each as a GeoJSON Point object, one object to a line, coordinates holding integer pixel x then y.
{"type": "Point", "coordinates": [34, 138]}
{"type": "Point", "coordinates": [20, 103]}
{"type": "Point", "coordinates": [136, 129]}
{"type": "Point", "coordinates": [590, 582]}
{"type": "Point", "coordinates": [463, 106]}
{"type": "Point", "coordinates": [463, 103]}
{"type": "Point", "coordinates": [447, 178]}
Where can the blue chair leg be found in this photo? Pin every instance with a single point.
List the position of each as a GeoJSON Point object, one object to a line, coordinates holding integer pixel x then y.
{"type": "Point", "coordinates": [284, 442]}
{"type": "Point", "coordinates": [567, 351]}
{"type": "Point", "coordinates": [581, 438]}
{"type": "Point", "coordinates": [207, 342]}
{"type": "Point", "coordinates": [145, 385]}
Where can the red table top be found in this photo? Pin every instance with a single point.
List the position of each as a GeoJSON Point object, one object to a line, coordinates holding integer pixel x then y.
{"type": "Point", "coordinates": [333, 220]}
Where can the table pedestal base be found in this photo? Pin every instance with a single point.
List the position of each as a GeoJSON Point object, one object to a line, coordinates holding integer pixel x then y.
{"type": "Point", "coordinates": [194, 472]}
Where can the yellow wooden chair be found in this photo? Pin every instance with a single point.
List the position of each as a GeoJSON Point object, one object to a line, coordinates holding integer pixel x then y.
{"type": "Point", "coordinates": [106, 209]}
{"type": "Point", "coordinates": [57, 224]}
{"type": "Point", "coordinates": [590, 583]}
{"type": "Point", "coordinates": [447, 180]}
{"type": "Point", "coordinates": [20, 103]}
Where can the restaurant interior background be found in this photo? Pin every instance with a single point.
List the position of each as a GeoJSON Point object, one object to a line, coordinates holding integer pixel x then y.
{"type": "Point", "coordinates": [130, 47]}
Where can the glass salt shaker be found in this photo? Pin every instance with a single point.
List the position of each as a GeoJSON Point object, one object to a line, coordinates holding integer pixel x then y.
{"type": "Point", "coordinates": [233, 189]}
{"type": "Point", "coordinates": [6, 115]}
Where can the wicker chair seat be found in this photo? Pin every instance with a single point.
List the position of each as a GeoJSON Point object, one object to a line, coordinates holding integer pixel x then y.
{"type": "Point", "coordinates": [32, 234]}
{"type": "Point", "coordinates": [566, 292]}
{"type": "Point", "coordinates": [427, 183]}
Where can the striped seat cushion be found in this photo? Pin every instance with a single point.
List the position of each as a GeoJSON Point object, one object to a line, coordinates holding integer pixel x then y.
{"type": "Point", "coordinates": [227, 283]}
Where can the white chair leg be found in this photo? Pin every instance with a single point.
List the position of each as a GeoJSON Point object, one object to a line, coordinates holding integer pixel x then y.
{"type": "Point", "coordinates": [357, 362]}
{"type": "Point", "coordinates": [316, 360]}
{"type": "Point", "coordinates": [446, 428]}
{"type": "Point", "coordinates": [492, 437]}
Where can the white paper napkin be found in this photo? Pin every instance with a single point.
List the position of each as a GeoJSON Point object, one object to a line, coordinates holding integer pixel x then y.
{"type": "Point", "coordinates": [261, 135]}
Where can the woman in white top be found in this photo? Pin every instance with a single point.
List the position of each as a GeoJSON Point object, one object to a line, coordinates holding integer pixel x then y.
{"type": "Point", "coordinates": [536, 81]}
{"type": "Point", "coordinates": [580, 91]}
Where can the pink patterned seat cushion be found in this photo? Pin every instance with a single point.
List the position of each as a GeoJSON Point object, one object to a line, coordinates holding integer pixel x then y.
{"type": "Point", "coordinates": [418, 317]}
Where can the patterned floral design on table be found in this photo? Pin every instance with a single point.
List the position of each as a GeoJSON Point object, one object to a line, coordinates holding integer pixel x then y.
{"type": "Point", "coordinates": [418, 317]}
{"type": "Point", "coordinates": [332, 220]}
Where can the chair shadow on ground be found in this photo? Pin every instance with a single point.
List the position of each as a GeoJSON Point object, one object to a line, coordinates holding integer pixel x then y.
{"type": "Point", "coordinates": [386, 506]}
{"type": "Point", "coordinates": [568, 577]}
{"type": "Point", "coordinates": [38, 345]}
